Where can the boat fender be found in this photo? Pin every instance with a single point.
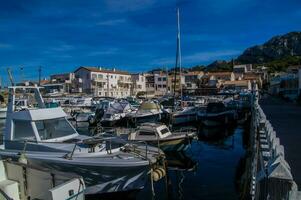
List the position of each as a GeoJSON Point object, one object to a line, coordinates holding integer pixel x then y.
{"type": "Point", "coordinates": [158, 173]}
{"type": "Point", "coordinates": [22, 159]}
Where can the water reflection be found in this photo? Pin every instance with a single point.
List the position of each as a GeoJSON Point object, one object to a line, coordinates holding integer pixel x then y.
{"type": "Point", "coordinates": [204, 171]}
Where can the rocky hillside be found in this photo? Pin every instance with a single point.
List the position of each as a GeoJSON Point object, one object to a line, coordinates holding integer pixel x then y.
{"type": "Point", "coordinates": [276, 48]}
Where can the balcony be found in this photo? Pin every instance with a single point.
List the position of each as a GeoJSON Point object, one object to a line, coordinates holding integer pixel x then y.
{"type": "Point", "coordinates": [99, 80]}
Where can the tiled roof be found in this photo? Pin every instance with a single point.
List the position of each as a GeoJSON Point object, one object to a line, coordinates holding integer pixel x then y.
{"type": "Point", "coordinates": [95, 69]}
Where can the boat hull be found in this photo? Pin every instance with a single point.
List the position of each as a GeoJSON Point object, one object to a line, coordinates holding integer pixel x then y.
{"type": "Point", "coordinates": [179, 144]}
{"type": "Point", "coordinates": [185, 118]}
{"type": "Point", "coordinates": [147, 118]}
{"type": "Point", "coordinates": [99, 179]}
{"type": "Point", "coordinates": [220, 119]}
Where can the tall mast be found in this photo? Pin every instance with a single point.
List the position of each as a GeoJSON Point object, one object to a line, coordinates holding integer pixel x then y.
{"type": "Point", "coordinates": [178, 55]}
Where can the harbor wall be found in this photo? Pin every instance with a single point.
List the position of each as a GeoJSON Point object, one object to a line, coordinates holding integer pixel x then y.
{"type": "Point", "coordinates": [268, 173]}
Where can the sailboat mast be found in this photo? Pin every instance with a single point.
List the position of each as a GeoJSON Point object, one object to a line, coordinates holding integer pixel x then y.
{"type": "Point", "coordinates": [178, 55]}
{"type": "Point", "coordinates": [179, 52]}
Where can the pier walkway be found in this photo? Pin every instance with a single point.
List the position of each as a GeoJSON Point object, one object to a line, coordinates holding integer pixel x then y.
{"type": "Point", "coordinates": [285, 117]}
{"type": "Point", "coordinates": [268, 169]}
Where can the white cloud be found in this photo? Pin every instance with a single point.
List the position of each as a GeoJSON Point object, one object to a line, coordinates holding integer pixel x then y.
{"type": "Point", "coordinates": [111, 22]}
{"type": "Point", "coordinates": [209, 56]}
{"type": "Point", "coordinates": [5, 46]}
{"type": "Point", "coordinates": [109, 51]}
{"type": "Point", "coordinates": [198, 57]}
{"type": "Point", "coordinates": [128, 5]}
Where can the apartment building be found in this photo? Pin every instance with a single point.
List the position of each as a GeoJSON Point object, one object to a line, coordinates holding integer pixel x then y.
{"type": "Point", "coordinates": [192, 79]}
{"type": "Point", "coordinates": [104, 82]}
{"type": "Point", "coordinates": [175, 83]}
{"type": "Point", "coordinates": [156, 83]}
{"type": "Point", "coordinates": [138, 84]}
{"type": "Point", "coordinates": [63, 83]}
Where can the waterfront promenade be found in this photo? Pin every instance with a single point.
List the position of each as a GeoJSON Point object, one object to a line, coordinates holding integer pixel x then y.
{"type": "Point", "coordinates": [285, 117]}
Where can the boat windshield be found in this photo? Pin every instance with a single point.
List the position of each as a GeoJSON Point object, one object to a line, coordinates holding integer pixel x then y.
{"type": "Point", "coordinates": [54, 128]}
{"type": "Point", "coordinates": [164, 131]}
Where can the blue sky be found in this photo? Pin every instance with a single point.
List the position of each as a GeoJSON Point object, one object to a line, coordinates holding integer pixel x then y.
{"type": "Point", "coordinates": [134, 35]}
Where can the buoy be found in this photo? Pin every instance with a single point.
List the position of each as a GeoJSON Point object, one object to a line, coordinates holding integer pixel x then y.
{"type": "Point", "coordinates": [158, 173]}
{"type": "Point", "coordinates": [22, 159]}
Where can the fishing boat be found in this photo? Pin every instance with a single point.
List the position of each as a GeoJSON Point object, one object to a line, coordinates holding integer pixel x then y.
{"type": "Point", "coordinates": [22, 181]}
{"type": "Point", "coordinates": [47, 139]}
{"type": "Point", "coordinates": [159, 135]}
{"type": "Point", "coordinates": [216, 114]}
{"type": "Point", "coordinates": [148, 111]}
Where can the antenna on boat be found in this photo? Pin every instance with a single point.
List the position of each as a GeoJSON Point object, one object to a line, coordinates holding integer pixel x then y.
{"type": "Point", "coordinates": [10, 76]}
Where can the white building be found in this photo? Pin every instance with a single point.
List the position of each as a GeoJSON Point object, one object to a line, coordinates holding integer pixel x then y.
{"type": "Point", "coordinates": [156, 84]}
{"type": "Point", "coordinates": [138, 81]}
{"type": "Point", "coordinates": [192, 79]}
{"type": "Point", "coordinates": [64, 83]}
{"type": "Point", "coordinates": [104, 82]}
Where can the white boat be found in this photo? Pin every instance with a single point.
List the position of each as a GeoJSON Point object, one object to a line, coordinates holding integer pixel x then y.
{"type": "Point", "coordinates": [217, 114]}
{"type": "Point", "coordinates": [148, 111]}
{"type": "Point", "coordinates": [49, 140]}
{"type": "Point", "coordinates": [159, 135]}
{"type": "Point", "coordinates": [184, 115]}
{"type": "Point", "coordinates": [22, 181]}
{"type": "Point", "coordinates": [116, 113]}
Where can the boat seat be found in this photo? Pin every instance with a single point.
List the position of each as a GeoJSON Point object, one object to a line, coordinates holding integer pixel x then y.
{"type": "Point", "coordinates": [10, 188]}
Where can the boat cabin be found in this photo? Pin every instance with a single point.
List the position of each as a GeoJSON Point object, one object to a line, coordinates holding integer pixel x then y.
{"type": "Point", "coordinates": [37, 124]}
{"type": "Point", "coordinates": [150, 131]}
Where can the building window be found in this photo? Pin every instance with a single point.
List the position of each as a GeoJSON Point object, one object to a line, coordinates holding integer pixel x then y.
{"type": "Point", "coordinates": [164, 78]}
{"type": "Point", "coordinates": [99, 76]}
{"type": "Point", "coordinates": [94, 76]}
{"type": "Point", "coordinates": [159, 79]}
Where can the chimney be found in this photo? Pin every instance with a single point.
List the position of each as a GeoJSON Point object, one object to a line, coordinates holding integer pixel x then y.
{"type": "Point", "coordinates": [114, 69]}
{"type": "Point", "coordinates": [99, 68]}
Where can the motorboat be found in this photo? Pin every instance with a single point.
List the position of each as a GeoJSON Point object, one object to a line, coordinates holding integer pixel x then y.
{"type": "Point", "coordinates": [116, 113]}
{"type": "Point", "coordinates": [22, 181]}
{"type": "Point", "coordinates": [184, 115]}
{"type": "Point", "coordinates": [159, 135]}
{"type": "Point", "coordinates": [148, 111]}
{"type": "Point", "coordinates": [47, 139]}
{"type": "Point", "coordinates": [216, 114]}
{"type": "Point", "coordinates": [101, 108]}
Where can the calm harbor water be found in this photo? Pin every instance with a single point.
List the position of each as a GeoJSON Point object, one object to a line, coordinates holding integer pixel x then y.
{"type": "Point", "coordinates": [204, 171]}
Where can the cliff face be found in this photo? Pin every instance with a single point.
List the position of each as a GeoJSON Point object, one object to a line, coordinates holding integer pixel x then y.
{"type": "Point", "coordinates": [276, 48]}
